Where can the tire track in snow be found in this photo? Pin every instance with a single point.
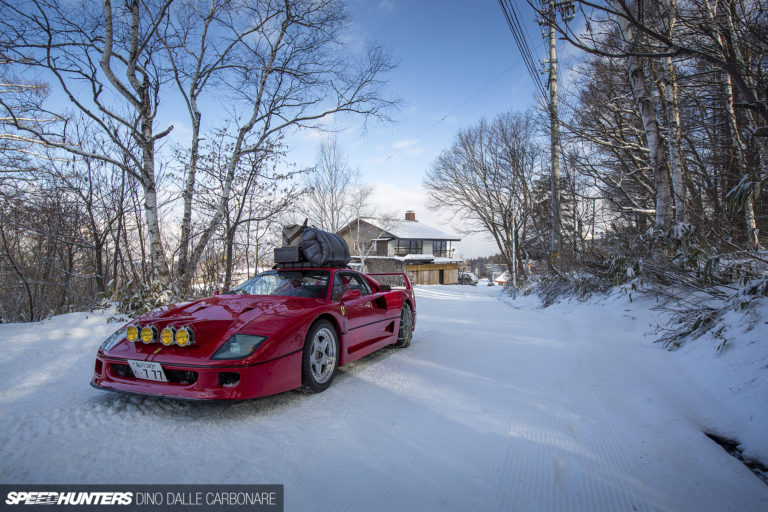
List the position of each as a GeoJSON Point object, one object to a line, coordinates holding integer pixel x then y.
{"type": "Point", "coordinates": [550, 463]}
{"type": "Point", "coordinates": [560, 453]}
{"type": "Point", "coordinates": [591, 460]}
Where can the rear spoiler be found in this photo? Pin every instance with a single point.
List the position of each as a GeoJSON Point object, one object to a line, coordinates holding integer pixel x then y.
{"type": "Point", "coordinates": [393, 279]}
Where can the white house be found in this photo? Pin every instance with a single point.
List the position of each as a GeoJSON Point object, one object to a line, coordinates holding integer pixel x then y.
{"type": "Point", "coordinates": [426, 253]}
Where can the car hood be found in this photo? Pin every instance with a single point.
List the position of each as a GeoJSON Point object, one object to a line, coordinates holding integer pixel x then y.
{"type": "Point", "coordinates": [213, 320]}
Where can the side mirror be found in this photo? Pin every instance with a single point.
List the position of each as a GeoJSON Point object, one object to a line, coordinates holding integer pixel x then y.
{"type": "Point", "coordinates": [351, 295]}
{"type": "Point", "coordinates": [216, 292]}
{"type": "Point", "coordinates": [385, 288]}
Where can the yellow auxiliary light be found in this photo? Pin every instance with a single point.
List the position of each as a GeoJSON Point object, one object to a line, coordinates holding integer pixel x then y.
{"type": "Point", "coordinates": [149, 334]}
{"type": "Point", "coordinates": [184, 336]}
{"type": "Point", "coordinates": [132, 333]}
{"type": "Point", "coordinates": [166, 336]}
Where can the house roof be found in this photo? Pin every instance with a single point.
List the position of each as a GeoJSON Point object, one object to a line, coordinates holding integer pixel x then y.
{"type": "Point", "coordinates": [410, 229]}
{"type": "Point", "coordinates": [504, 278]}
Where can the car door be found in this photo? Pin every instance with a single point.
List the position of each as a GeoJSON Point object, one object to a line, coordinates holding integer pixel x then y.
{"type": "Point", "coordinates": [362, 314]}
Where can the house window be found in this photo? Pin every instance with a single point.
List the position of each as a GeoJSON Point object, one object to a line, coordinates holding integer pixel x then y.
{"type": "Point", "coordinates": [405, 247]}
{"type": "Point", "coordinates": [381, 247]}
{"type": "Point", "coordinates": [442, 249]}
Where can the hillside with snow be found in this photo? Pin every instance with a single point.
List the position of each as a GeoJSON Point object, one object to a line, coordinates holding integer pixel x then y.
{"type": "Point", "coordinates": [498, 404]}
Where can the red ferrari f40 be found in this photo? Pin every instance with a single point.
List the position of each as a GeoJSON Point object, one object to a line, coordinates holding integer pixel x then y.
{"type": "Point", "coordinates": [283, 329]}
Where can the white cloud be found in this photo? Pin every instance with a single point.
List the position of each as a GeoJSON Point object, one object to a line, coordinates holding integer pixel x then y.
{"type": "Point", "coordinates": [181, 133]}
{"type": "Point", "coordinates": [401, 144]}
{"type": "Point", "coordinates": [386, 7]}
{"type": "Point", "coordinates": [354, 39]}
{"type": "Point", "coordinates": [389, 198]}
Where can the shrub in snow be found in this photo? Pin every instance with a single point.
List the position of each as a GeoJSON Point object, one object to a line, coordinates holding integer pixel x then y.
{"type": "Point", "coordinates": [136, 298]}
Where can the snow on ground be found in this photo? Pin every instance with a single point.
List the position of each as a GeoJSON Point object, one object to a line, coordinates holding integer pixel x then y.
{"type": "Point", "coordinates": [735, 378]}
{"type": "Point", "coordinates": [497, 405]}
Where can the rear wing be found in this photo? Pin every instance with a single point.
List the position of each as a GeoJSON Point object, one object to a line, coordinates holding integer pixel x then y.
{"type": "Point", "coordinates": [392, 279]}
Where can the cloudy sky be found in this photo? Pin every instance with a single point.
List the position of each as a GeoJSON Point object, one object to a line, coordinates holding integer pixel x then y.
{"type": "Point", "coordinates": [458, 63]}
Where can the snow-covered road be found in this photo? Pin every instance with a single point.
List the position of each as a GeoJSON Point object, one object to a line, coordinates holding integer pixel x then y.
{"type": "Point", "coordinates": [493, 407]}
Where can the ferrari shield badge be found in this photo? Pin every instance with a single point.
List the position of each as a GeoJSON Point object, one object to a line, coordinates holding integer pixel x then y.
{"type": "Point", "coordinates": [343, 311]}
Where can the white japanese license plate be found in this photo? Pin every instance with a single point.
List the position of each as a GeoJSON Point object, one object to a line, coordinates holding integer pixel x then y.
{"type": "Point", "coordinates": [148, 370]}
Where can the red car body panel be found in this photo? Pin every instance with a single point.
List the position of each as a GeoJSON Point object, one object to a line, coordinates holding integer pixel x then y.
{"type": "Point", "coordinates": [363, 325]}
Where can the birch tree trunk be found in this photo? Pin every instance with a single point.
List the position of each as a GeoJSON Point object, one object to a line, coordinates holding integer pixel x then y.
{"type": "Point", "coordinates": [153, 231]}
{"type": "Point", "coordinates": [655, 149]}
{"type": "Point", "coordinates": [674, 141]}
{"type": "Point", "coordinates": [189, 191]}
{"type": "Point", "coordinates": [740, 157]}
{"type": "Point", "coordinates": [644, 101]}
{"type": "Point", "coordinates": [733, 127]}
{"type": "Point", "coordinates": [674, 133]}
{"type": "Point", "coordinates": [138, 93]}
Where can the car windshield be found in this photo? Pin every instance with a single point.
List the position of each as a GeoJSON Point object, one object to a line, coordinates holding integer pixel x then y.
{"type": "Point", "coordinates": [289, 283]}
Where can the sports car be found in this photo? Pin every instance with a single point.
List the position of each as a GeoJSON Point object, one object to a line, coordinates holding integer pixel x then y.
{"type": "Point", "coordinates": [283, 329]}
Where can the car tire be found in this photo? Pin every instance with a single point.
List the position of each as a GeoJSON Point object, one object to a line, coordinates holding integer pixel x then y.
{"type": "Point", "coordinates": [320, 358]}
{"type": "Point", "coordinates": [405, 333]}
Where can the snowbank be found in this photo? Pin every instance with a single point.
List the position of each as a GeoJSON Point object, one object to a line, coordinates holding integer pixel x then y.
{"type": "Point", "coordinates": [732, 365]}
{"type": "Point", "coordinates": [729, 364]}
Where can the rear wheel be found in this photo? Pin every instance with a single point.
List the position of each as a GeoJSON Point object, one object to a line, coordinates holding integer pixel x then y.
{"type": "Point", "coordinates": [406, 327]}
{"type": "Point", "coordinates": [320, 358]}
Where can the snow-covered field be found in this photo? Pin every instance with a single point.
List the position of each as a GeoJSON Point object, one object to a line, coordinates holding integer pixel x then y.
{"type": "Point", "coordinates": [497, 405]}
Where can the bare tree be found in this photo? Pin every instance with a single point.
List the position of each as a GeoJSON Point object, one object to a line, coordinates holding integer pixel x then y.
{"type": "Point", "coordinates": [605, 130]}
{"type": "Point", "coordinates": [729, 36]}
{"type": "Point", "coordinates": [20, 104]}
{"type": "Point", "coordinates": [486, 178]}
{"type": "Point", "coordinates": [46, 259]}
{"type": "Point", "coordinates": [284, 66]}
{"type": "Point", "coordinates": [649, 117]}
{"type": "Point", "coordinates": [672, 114]}
{"type": "Point", "coordinates": [260, 193]}
{"type": "Point", "coordinates": [334, 195]}
{"type": "Point", "coordinates": [704, 29]}
{"type": "Point", "coordinates": [104, 60]}
{"type": "Point", "coordinates": [270, 64]}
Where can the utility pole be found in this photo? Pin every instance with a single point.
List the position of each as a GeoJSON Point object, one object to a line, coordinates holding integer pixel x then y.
{"type": "Point", "coordinates": [514, 250]}
{"type": "Point", "coordinates": [547, 22]}
{"type": "Point", "coordinates": [514, 253]}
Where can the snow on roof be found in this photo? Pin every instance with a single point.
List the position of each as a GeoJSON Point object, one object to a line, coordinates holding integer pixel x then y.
{"type": "Point", "coordinates": [411, 229]}
{"type": "Point", "coordinates": [503, 278]}
{"type": "Point", "coordinates": [411, 258]}
{"type": "Point", "coordinates": [439, 261]}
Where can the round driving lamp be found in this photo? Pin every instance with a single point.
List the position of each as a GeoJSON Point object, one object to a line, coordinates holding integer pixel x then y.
{"type": "Point", "coordinates": [148, 334]}
{"type": "Point", "coordinates": [184, 336]}
{"type": "Point", "coordinates": [132, 333]}
{"type": "Point", "coordinates": [166, 336]}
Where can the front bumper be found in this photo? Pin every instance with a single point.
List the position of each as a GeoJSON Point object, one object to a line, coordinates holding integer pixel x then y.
{"type": "Point", "coordinates": [201, 382]}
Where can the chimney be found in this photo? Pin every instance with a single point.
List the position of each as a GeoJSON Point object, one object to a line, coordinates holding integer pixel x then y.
{"type": "Point", "coordinates": [410, 215]}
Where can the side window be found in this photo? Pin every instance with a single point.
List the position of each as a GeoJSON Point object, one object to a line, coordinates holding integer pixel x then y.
{"type": "Point", "coordinates": [338, 289]}
{"type": "Point", "coordinates": [358, 283]}
{"type": "Point", "coordinates": [344, 281]}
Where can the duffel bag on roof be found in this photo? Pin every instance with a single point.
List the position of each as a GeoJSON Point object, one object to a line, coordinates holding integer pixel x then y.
{"type": "Point", "coordinates": [324, 249]}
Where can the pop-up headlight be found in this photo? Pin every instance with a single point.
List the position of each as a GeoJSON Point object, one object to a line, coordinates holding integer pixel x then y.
{"type": "Point", "coordinates": [239, 346]}
{"type": "Point", "coordinates": [113, 340]}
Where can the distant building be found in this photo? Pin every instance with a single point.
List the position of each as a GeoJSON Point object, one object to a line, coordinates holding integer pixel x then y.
{"type": "Point", "coordinates": [404, 245]}
{"type": "Point", "coordinates": [503, 279]}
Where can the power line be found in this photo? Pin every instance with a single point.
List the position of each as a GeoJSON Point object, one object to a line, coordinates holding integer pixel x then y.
{"type": "Point", "coordinates": [457, 108]}
{"type": "Point", "coordinates": [521, 41]}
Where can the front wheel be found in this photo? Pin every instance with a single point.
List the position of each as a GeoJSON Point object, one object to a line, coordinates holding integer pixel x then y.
{"type": "Point", "coordinates": [405, 333]}
{"type": "Point", "coordinates": [320, 357]}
